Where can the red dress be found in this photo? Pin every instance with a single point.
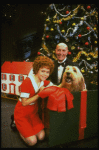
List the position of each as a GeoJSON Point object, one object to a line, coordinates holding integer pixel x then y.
{"type": "Point", "coordinates": [26, 118]}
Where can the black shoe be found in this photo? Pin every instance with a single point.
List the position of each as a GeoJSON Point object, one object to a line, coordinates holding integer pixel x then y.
{"type": "Point", "coordinates": [12, 125]}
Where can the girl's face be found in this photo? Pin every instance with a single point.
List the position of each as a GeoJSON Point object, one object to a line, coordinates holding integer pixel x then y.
{"type": "Point", "coordinates": [43, 73]}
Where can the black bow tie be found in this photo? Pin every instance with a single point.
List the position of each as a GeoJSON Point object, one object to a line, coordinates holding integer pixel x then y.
{"type": "Point", "coordinates": [62, 64]}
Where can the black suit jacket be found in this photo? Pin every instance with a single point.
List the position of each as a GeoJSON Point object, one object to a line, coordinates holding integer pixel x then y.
{"type": "Point", "coordinates": [54, 76]}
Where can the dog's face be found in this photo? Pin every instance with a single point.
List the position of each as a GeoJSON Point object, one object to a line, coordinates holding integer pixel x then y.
{"type": "Point", "coordinates": [74, 80]}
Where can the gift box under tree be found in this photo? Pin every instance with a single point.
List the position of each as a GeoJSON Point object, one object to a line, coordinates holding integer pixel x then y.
{"type": "Point", "coordinates": [79, 122]}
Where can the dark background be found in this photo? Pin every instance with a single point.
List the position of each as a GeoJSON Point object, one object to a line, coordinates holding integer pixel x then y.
{"type": "Point", "coordinates": [19, 22]}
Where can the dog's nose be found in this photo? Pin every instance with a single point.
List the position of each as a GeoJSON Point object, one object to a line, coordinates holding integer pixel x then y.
{"type": "Point", "coordinates": [68, 73]}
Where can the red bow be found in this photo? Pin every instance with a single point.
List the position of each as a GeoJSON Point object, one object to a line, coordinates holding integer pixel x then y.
{"type": "Point", "coordinates": [57, 98]}
{"type": "Point", "coordinates": [83, 113]}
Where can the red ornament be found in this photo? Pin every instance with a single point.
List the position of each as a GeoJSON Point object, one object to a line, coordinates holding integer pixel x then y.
{"type": "Point", "coordinates": [69, 53]}
{"type": "Point", "coordinates": [88, 7]}
{"type": "Point", "coordinates": [79, 35]}
{"type": "Point", "coordinates": [60, 22]}
{"type": "Point", "coordinates": [47, 36]}
{"type": "Point", "coordinates": [86, 43]}
{"type": "Point", "coordinates": [67, 12]}
{"type": "Point", "coordinates": [38, 53]}
{"type": "Point", "coordinates": [88, 28]}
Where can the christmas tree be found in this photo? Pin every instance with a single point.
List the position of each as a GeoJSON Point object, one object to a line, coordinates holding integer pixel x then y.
{"type": "Point", "coordinates": [77, 26]}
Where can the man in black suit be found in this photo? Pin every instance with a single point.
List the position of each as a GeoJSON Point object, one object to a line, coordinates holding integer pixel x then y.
{"type": "Point", "coordinates": [62, 61]}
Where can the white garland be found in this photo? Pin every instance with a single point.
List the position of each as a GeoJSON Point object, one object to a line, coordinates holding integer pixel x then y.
{"type": "Point", "coordinates": [90, 28]}
{"type": "Point", "coordinates": [75, 29]}
{"type": "Point", "coordinates": [60, 13]}
{"type": "Point", "coordinates": [76, 26]}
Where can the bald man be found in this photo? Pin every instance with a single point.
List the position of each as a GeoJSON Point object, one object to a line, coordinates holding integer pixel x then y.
{"type": "Point", "coordinates": [62, 61]}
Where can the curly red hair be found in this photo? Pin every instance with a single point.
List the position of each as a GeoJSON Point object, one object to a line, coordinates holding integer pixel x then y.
{"type": "Point", "coordinates": [42, 61]}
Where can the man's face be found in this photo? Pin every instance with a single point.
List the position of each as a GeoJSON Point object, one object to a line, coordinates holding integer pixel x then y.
{"type": "Point", "coordinates": [61, 52]}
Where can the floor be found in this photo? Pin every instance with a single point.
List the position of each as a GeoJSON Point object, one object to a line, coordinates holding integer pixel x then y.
{"type": "Point", "coordinates": [11, 139]}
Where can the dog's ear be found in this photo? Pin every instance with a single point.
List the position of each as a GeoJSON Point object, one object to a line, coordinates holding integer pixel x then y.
{"type": "Point", "coordinates": [81, 84]}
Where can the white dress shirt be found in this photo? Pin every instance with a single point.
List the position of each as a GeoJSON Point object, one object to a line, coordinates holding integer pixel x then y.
{"type": "Point", "coordinates": [60, 70]}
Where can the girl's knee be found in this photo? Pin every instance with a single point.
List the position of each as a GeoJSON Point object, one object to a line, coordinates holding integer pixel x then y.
{"type": "Point", "coordinates": [31, 140]}
{"type": "Point", "coordinates": [41, 135]}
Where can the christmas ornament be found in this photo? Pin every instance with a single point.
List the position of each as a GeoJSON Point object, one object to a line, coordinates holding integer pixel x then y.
{"type": "Point", "coordinates": [73, 47]}
{"type": "Point", "coordinates": [47, 36]}
{"type": "Point", "coordinates": [88, 7]}
{"type": "Point", "coordinates": [79, 35]}
{"type": "Point", "coordinates": [60, 22]}
{"type": "Point", "coordinates": [88, 28]}
{"type": "Point", "coordinates": [95, 42]}
{"type": "Point", "coordinates": [63, 31]}
{"type": "Point", "coordinates": [47, 19]}
{"type": "Point", "coordinates": [82, 70]}
{"type": "Point", "coordinates": [69, 53]}
{"type": "Point", "coordinates": [47, 28]}
{"type": "Point", "coordinates": [88, 58]}
{"type": "Point", "coordinates": [86, 43]}
{"type": "Point", "coordinates": [94, 28]}
{"type": "Point", "coordinates": [73, 24]}
{"type": "Point", "coordinates": [57, 36]}
{"type": "Point", "coordinates": [52, 29]}
{"type": "Point", "coordinates": [67, 12]}
{"type": "Point", "coordinates": [82, 18]}
{"type": "Point", "coordinates": [38, 53]}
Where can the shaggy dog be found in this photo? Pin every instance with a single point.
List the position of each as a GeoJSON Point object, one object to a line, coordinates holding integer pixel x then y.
{"type": "Point", "coordinates": [74, 80]}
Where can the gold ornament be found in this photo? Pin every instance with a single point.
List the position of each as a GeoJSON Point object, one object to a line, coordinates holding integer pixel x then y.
{"type": "Point", "coordinates": [52, 29]}
{"type": "Point", "coordinates": [95, 42]}
{"type": "Point", "coordinates": [47, 19]}
{"type": "Point", "coordinates": [63, 31]}
{"type": "Point", "coordinates": [82, 70]}
{"type": "Point", "coordinates": [71, 16]}
{"type": "Point", "coordinates": [73, 24]}
{"type": "Point", "coordinates": [88, 58]}
{"type": "Point", "coordinates": [94, 28]}
{"type": "Point", "coordinates": [82, 18]}
{"type": "Point", "coordinates": [73, 47]}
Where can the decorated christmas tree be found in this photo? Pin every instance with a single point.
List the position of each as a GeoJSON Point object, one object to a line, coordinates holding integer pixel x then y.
{"type": "Point", "coordinates": [77, 26]}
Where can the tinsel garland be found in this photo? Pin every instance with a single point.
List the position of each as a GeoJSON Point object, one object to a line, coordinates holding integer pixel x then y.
{"type": "Point", "coordinates": [95, 55]}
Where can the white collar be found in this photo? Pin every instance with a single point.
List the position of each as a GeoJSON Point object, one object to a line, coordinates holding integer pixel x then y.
{"type": "Point", "coordinates": [36, 88]}
{"type": "Point", "coordinates": [62, 61]}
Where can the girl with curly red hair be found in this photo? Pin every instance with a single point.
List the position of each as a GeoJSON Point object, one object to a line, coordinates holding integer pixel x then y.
{"type": "Point", "coordinates": [26, 116]}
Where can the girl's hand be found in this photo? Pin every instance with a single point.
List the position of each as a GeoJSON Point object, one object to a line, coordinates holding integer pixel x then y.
{"type": "Point", "coordinates": [41, 88]}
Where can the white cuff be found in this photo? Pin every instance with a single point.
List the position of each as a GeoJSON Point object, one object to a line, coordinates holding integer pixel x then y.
{"type": "Point", "coordinates": [26, 95]}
